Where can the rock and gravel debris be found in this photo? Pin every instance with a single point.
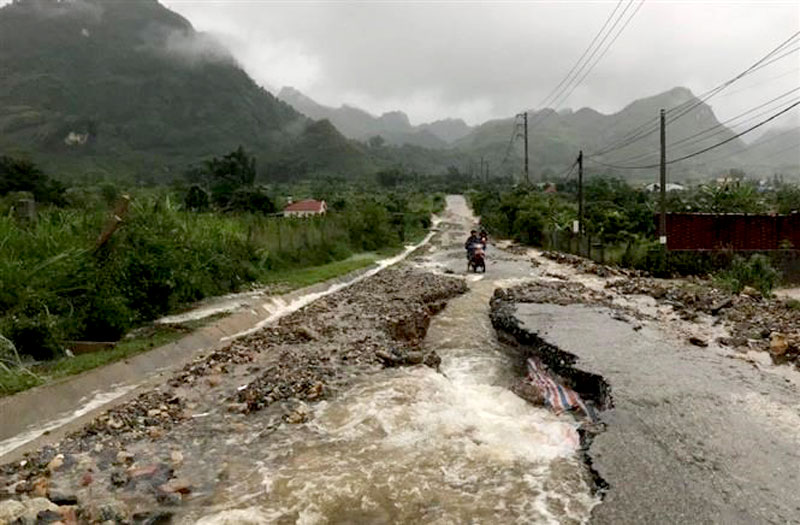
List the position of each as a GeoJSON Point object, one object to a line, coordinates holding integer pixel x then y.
{"type": "Point", "coordinates": [753, 322]}
{"type": "Point", "coordinates": [112, 470]}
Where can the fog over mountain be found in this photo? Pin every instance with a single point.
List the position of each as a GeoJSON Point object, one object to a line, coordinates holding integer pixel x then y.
{"type": "Point", "coordinates": [133, 82]}
{"type": "Point", "coordinates": [131, 85]}
{"type": "Point", "coordinates": [485, 60]}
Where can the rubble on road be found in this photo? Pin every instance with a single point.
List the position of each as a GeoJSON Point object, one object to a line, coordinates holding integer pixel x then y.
{"type": "Point", "coordinates": [584, 265]}
{"type": "Point", "coordinates": [754, 322]}
{"type": "Point", "coordinates": [129, 463]}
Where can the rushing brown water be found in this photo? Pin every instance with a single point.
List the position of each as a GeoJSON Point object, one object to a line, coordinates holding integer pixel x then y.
{"type": "Point", "coordinates": [417, 446]}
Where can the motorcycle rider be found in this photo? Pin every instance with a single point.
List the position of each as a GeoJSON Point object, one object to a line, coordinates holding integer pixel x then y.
{"type": "Point", "coordinates": [471, 242]}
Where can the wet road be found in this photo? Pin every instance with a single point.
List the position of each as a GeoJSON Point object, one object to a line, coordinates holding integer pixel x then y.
{"type": "Point", "coordinates": [414, 445]}
{"type": "Point", "coordinates": [694, 436]}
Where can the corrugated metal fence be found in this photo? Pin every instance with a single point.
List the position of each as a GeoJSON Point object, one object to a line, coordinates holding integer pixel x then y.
{"type": "Point", "coordinates": [732, 231]}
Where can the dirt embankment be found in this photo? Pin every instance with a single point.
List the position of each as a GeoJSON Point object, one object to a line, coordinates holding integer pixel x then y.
{"type": "Point", "coordinates": [128, 465]}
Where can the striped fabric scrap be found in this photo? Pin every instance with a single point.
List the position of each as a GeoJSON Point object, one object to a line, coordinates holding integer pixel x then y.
{"type": "Point", "coordinates": [558, 397]}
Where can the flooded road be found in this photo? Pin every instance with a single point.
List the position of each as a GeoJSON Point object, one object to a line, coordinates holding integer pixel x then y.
{"type": "Point", "coordinates": [417, 445]}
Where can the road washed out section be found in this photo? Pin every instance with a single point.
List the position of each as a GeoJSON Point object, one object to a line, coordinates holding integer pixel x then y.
{"type": "Point", "coordinates": [416, 445]}
{"type": "Point", "coordinates": [338, 412]}
{"type": "Point", "coordinates": [687, 435]}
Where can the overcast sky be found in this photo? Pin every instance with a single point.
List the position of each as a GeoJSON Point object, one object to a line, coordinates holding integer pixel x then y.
{"type": "Point", "coordinates": [482, 60]}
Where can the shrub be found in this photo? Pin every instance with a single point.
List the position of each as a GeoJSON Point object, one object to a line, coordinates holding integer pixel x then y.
{"type": "Point", "coordinates": [756, 272]}
{"type": "Point", "coordinates": [197, 199]}
{"type": "Point", "coordinates": [34, 336]}
{"type": "Point", "coordinates": [253, 200]}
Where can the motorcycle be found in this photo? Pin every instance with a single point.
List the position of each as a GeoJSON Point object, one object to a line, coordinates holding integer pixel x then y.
{"type": "Point", "coordinates": [477, 259]}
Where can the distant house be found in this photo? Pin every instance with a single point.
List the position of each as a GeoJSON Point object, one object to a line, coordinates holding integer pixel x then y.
{"type": "Point", "coordinates": [305, 208]}
{"type": "Point", "coordinates": [671, 186]}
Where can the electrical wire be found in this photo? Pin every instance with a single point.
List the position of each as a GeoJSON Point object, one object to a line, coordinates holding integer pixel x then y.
{"type": "Point", "coordinates": [551, 95]}
{"type": "Point", "coordinates": [575, 86]}
{"type": "Point", "coordinates": [794, 71]}
{"type": "Point", "coordinates": [685, 157]}
{"type": "Point", "coordinates": [571, 86]}
{"type": "Point", "coordinates": [568, 171]}
{"type": "Point", "coordinates": [758, 145]}
{"type": "Point", "coordinates": [720, 127]}
{"type": "Point", "coordinates": [514, 135]}
{"type": "Point", "coordinates": [648, 128]}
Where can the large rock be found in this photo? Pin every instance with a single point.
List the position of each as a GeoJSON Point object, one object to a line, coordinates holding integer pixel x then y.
{"type": "Point", "coordinates": [10, 510]}
{"type": "Point", "coordinates": [778, 345]}
{"type": "Point", "coordinates": [27, 512]}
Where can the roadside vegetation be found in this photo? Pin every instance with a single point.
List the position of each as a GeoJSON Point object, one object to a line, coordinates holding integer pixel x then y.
{"type": "Point", "coordinates": [620, 223]}
{"type": "Point", "coordinates": [69, 273]}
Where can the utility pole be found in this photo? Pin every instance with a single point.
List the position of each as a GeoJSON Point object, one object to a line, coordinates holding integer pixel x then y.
{"type": "Point", "coordinates": [525, 124]}
{"type": "Point", "coordinates": [480, 173]}
{"type": "Point", "coordinates": [662, 224]}
{"type": "Point", "coordinates": [580, 193]}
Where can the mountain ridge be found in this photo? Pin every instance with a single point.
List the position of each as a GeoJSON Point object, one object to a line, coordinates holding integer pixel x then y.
{"type": "Point", "coordinates": [132, 86]}
{"type": "Point", "coordinates": [393, 126]}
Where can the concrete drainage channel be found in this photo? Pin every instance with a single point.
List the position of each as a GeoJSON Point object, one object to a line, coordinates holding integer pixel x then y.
{"type": "Point", "coordinates": [45, 414]}
{"type": "Point", "coordinates": [593, 389]}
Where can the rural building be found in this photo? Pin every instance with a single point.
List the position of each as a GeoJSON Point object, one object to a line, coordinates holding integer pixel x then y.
{"type": "Point", "coordinates": [670, 186]}
{"type": "Point", "coordinates": [305, 208]}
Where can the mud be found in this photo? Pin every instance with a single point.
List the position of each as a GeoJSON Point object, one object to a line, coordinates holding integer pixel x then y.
{"type": "Point", "coordinates": [134, 462]}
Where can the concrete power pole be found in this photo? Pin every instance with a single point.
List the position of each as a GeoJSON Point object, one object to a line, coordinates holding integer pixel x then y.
{"type": "Point", "coordinates": [525, 124]}
{"type": "Point", "coordinates": [662, 223]}
{"type": "Point", "coordinates": [580, 193]}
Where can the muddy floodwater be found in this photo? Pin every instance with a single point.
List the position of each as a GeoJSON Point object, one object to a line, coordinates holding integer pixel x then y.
{"type": "Point", "coordinates": [416, 445]}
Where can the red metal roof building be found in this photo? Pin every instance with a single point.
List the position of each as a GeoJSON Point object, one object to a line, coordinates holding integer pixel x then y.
{"type": "Point", "coordinates": [305, 208]}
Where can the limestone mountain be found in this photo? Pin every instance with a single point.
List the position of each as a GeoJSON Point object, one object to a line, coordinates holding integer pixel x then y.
{"type": "Point", "coordinates": [777, 150]}
{"type": "Point", "coordinates": [89, 85]}
{"type": "Point", "coordinates": [555, 137]}
{"type": "Point", "coordinates": [394, 126]}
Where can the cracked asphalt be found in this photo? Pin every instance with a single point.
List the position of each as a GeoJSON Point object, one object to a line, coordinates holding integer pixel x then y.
{"type": "Point", "coordinates": [695, 435]}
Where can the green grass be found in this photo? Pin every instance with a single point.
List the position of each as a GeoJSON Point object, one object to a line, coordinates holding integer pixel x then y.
{"type": "Point", "coordinates": [17, 380]}
{"type": "Point", "coordinates": [301, 277]}
{"type": "Point", "coordinates": [56, 287]}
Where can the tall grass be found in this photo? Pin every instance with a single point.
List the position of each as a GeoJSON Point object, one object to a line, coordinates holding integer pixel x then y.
{"type": "Point", "coordinates": [55, 286]}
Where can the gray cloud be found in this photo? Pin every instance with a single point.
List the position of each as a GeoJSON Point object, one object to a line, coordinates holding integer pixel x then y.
{"type": "Point", "coordinates": [480, 60]}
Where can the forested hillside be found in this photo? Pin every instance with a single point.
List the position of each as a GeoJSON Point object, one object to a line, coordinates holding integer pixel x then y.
{"type": "Point", "coordinates": [112, 87]}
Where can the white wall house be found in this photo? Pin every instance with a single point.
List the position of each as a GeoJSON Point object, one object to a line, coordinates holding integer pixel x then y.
{"type": "Point", "coordinates": [305, 208]}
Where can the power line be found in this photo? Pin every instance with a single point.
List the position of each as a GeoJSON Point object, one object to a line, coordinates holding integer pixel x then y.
{"type": "Point", "coordinates": [719, 127]}
{"type": "Point", "coordinates": [765, 81]}
{"type": "Point", "coordinates": [685, 157]}
{"type": "Point", "coordinates": [565, 97]}
{"type": "Point", "coordinates": [567, 172]}
{"type": "Point", "coordinates": [514, 135]}
{"type": "Point", "coordinates": [758, 145]}
{"type": "Point", "coordinates": [648, 128]}
{"type": "Point", "coordinates": [573, 84]}
{"type": "Point", "coordinates": [550, 95]}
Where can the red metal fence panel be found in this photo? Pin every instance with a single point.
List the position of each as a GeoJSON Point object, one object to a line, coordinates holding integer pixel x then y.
{"type": "Point", "coordinates": [732, 231]}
